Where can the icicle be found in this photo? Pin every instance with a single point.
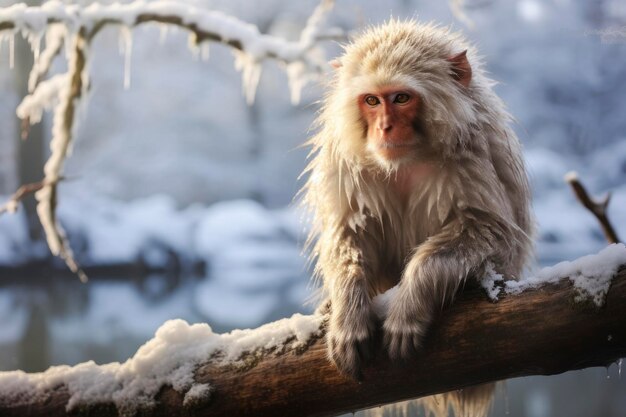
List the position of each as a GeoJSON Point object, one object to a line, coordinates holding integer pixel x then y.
{"type": "Point", "coordinates": [34, 39]}
{"type": "Point", "coordinates": [296, 80]}
{"type": "Point", "coordinates": [12, 50]}
{"type": "Point", "coordinates": [619, 368]}
{"type": "Point", "coordinates": [204, 51]}
{"type": "Point", "coordinates": [250, 73]}
{"type": "Point", "coordinates": [192, 44]}
{"type": "Point", "coordinates": [126, 48]}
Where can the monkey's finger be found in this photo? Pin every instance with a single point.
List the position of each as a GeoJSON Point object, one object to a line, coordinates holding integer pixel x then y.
{"type": "Point", "coordinates": [407, 348]}
{"type": "Point", "coordinates": [392, 342]}
{"type": "Point", "coordinates": [365, 349]}
{"type": "Point", "coordinates": [353, 360]}
{"type": "Point", "coordinates": [345, 357]}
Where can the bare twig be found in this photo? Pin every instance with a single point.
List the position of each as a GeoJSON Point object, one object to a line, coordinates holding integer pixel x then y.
{"type": "Point", "coordinates": [26, 189]}
{"type": "Point", "coordinates": [597, 207]}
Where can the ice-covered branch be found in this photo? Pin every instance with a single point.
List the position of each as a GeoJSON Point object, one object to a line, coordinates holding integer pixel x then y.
{"type": "Point", "coordinates": [55, 38]}
{"type": "Point", "coordinates": [204, 25]}
{"type": "Point", "coordinates": [281, 368]}
{"type": "Point", "coordinates": [76, 27]}
{"type": "Point", "coordinates": [43, 98]}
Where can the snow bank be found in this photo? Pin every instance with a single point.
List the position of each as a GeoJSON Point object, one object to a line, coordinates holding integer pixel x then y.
{"type": "Point", "coordinates": [230, 235]}
{"type": "Point", "coordinates": [591, 275]}
{"type": "Point", "coordinates": [171, 358]}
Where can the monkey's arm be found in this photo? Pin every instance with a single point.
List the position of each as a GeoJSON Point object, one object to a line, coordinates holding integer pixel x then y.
{"type": "Point", "coordinates": [348, 263]}
{"type": "Point", "coordinates": [433, 274]}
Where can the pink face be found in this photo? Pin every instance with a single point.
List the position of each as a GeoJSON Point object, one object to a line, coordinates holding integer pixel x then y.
{"type": "Point", "coordinates": [392, 116]}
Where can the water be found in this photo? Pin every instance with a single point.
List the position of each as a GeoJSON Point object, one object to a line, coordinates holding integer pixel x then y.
{"type": "Point", "coordinates": [58, 320]}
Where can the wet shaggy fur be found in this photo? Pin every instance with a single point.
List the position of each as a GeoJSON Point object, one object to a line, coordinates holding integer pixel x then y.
{"type": "Point", "coordinates": [472, 210]}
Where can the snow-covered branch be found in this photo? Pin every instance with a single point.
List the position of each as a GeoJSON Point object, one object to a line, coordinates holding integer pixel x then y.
{"type": "Point", "coordinates": [204, 25]}
{"type": "Point", "coordinates": [75, 27]}
{"type": "Point", "coordinates": [281, 368]}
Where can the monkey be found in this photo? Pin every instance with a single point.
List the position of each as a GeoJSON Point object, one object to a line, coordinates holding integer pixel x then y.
{"type": "Point", "coordinates": [416, 180]}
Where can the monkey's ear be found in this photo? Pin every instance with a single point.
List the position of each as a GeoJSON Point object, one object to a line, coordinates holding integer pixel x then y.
{"type": "Point", "coordinates": [461, 69]}
{"type": "Point", "coordinates": [335, 63]}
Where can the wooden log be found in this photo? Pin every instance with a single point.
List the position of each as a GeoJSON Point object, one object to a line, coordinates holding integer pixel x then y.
{"type": "Point", "coordinates": [538, 332]}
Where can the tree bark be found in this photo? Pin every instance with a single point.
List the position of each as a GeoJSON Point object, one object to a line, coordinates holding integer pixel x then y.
{"type": "Point", "coordinates": [538, 332]}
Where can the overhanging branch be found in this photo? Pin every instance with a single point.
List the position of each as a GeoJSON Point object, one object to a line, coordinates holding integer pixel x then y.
{"type": "Point", "coordinates": [538, 332]}
{"type": "Point", "coordinates": [77, 26]}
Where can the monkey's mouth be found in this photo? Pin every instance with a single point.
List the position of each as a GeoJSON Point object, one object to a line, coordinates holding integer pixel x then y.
{"type": "Point", "coordinates": [393, 145]}
{"type": "Point", "coordinates": [395, 150]}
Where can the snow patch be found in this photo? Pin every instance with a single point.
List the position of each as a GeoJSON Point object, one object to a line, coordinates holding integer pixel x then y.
{"type": "Point", "coordinates": [591, 275]}
{"type": "Point", "coordinates": [490, 280]}
{"type": "Point", "coordinates": [199, 393]}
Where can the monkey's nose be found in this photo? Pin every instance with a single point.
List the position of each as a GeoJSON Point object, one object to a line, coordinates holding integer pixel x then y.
{"type": "Point", "coordinates": [385, 127]}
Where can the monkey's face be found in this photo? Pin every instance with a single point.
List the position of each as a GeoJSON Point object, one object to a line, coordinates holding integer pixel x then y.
{"type": "Point", "coordinates": [394, 133]}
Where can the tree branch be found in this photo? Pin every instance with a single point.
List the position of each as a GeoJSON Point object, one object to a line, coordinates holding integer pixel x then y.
{"type": "Point", "coordinates": [597, 208]}
{"type": "Point", "coordinates": [26, 189]}
{"type": "Point", "coordinates": [538, 332]}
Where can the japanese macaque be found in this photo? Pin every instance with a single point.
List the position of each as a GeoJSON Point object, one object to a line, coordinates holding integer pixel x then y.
{"type": "Point", "coordinates": [416, 180]}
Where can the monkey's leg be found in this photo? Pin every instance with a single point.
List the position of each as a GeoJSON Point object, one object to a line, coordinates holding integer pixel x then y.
{"type": "Point", "coordinates": [430, 280]}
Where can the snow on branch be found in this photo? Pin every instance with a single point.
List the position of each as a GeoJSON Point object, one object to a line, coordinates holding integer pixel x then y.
{"type": "Point", "coordinates": [204, 25]}
{"type": "Point", "coordinates": [75, 27]}
{"type": "Point", "coordinates": [281, 368]}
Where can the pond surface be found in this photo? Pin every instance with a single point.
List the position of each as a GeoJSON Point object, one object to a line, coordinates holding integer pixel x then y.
{"type": "Point", "coordinates": [62, 321]}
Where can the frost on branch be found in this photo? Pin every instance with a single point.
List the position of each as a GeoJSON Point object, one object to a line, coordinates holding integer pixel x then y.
{"type": "Point", "coordinates": [75, 27]}
{"type": "Point", "coordinates": [42, 98]}
{"type": "Point", "coordinates": [170, 358]}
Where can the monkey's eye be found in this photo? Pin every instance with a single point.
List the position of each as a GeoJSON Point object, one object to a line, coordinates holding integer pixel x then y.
{"type": "Point", "coordinates": [402, 98]}
{"type": "Point", "coordinates": [372, 100]}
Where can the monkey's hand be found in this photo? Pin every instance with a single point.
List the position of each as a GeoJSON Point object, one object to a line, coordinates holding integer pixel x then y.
{"type": "Point", "coordinates": [350, 337]}
{"type": "Point", "coordinates": [404, 326]}
{"type": "Point", "coordinates": [430, 279]}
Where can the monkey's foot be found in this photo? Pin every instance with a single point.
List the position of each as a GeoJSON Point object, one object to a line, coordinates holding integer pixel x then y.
{"type": "Point", "coordinates": [403, 334]}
